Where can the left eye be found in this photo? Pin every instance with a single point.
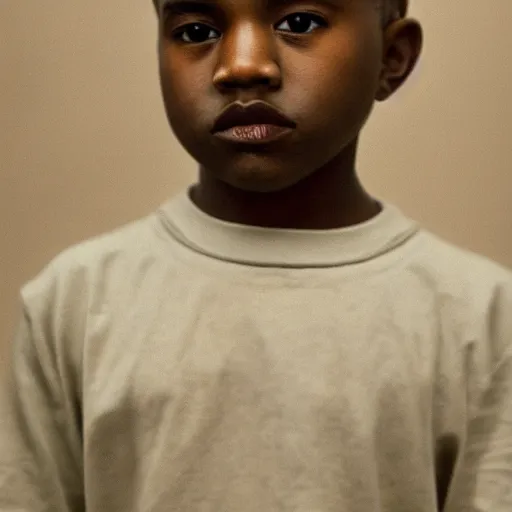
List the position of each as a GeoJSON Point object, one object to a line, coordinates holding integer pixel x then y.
{"type": "Point", "coordinates": [302, 23]}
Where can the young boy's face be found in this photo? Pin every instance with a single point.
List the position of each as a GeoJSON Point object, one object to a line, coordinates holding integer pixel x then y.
{"type": "Point", "coordinates": [318, 62]}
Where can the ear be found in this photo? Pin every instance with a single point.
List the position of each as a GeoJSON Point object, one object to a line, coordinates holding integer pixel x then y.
{"type": "Point", "coordinates": [403, 41]}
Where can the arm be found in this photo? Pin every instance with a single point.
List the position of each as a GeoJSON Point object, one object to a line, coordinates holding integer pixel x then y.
{"type": "Point", "coordinates": [40, 466]}
{"type": "Point", "coordinates": [483, 481]}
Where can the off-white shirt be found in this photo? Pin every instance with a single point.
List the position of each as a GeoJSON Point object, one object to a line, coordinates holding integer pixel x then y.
{"type": "Point", "coordinates": [186, 364]}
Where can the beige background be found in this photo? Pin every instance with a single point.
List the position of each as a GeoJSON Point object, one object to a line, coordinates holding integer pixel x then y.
{"type": "Point", "coordinates": [85, 147]}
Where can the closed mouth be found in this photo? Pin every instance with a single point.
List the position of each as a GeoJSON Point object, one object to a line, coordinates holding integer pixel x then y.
{"type": "Point", "coordinates": [253, 113]}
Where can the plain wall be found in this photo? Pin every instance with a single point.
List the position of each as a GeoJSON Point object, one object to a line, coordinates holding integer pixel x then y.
{"type": "Point", "coordinates": [85, 145]}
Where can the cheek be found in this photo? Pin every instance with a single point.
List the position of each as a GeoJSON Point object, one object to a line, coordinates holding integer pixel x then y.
{"type": "Point", "coordinates": [346, 91]}
{"type": "Point", "coordinates": [182, 89]}
{"type": "Point", "coordinates": [171, 79]}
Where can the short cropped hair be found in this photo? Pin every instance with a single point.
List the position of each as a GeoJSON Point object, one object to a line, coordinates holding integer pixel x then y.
{"type": "Point", "coordinates": [394, 9]}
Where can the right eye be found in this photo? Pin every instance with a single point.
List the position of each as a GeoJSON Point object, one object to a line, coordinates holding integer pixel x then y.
{"type": "Point", "coordinates": [195, 33]}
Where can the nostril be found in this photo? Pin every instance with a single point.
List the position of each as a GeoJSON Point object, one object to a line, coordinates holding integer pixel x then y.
{"type": "Point", "coordinates": [248, 75]}
{"type": "Point", "coordinates": [241, 83]}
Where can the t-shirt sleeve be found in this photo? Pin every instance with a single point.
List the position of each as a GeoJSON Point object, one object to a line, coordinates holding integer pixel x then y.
{"type": "Point", "coordinates": [40, 466]}
{"type": "Point", "coordinates": [484, 482]}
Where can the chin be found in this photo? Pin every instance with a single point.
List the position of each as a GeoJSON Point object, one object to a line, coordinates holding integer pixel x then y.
{"type": "Point", "coordinates": [259, 181]}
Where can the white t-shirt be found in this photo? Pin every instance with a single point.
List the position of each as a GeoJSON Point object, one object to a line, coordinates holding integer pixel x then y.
{"type": "Point", "coordinates": [186, 364]}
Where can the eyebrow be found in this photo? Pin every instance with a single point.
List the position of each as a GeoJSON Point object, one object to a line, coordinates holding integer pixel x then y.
{"type": "Point", "coordinates": [189, 6]}
{"type": "Point", "coordinates": [332, 3]}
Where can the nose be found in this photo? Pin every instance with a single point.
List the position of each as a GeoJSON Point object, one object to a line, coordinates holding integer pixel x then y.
{"type": "Point", "coordinates": [247, 60]}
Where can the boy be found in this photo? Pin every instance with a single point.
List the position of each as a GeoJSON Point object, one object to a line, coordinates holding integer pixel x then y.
{"type": "Point", "coordinates": [274, 338]}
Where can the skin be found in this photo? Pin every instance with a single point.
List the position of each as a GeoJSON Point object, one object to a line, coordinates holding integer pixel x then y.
{"type": "Point", "coordinates": [325, 72]}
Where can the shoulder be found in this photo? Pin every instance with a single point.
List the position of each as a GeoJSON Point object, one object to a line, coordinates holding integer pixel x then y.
{"type": "Point", "coordinates": [456, 269]}
{"type": "Point", "coordinates": [473, 295]}
{"type": "Point", "coordinates": [70, 275]}
{"type": "Point", "coordinates": [58, 303]}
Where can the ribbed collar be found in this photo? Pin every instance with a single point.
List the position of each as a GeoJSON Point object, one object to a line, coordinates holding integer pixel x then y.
{"type": "Point", "coordinates": [296, 248]}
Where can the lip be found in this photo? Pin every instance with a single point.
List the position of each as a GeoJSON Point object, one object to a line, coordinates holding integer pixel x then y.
{"type": "Point", "coordinates": [255, 113]}
{"type": "Point", "coordinates": [254, 134]}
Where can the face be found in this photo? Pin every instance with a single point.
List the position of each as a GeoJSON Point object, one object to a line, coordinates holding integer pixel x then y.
{"type": "Point", "coordinates": [318, 62]}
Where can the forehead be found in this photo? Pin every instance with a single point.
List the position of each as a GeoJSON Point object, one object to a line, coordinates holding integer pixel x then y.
{"type": "Point", "coordinates": [361, 9]}
{"type": "Point", "coordinates": [233, 4]}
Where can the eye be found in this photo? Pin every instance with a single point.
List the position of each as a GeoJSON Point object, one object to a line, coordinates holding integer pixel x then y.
{"type": "Point", "coordinates": [302, 23]}
{"type": "Point", "coordinates": [195, 33]}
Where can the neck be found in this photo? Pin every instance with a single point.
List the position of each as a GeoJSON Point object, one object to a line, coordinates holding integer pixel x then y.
{"type": "Point", "coordinates": [331, 197]}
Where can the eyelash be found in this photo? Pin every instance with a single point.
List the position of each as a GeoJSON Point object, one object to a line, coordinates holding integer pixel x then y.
{"type": "Point", "coordinates": [316, 18]}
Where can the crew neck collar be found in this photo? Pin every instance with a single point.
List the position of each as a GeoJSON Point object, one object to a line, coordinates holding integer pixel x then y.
{"type": "Point", "coordinates": [296, 248]}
